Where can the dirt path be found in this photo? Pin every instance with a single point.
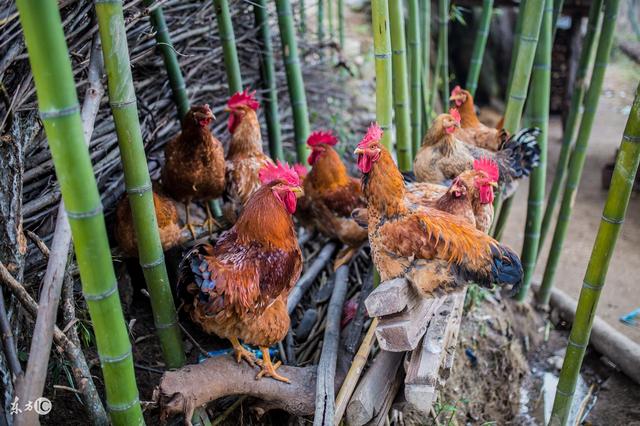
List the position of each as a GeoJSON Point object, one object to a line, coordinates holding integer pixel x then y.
{"type": "Point", "coordinates": [620, 295]}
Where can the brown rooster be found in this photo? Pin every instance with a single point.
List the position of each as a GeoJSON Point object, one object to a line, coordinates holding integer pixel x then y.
{"type": "Point", "coordinates": [436, 251]}
{"type": "Point", "coordinates": [245, 158]}
{"type": "Point", "coordinates": [470, 196]}
{"type": "Point", "coordinates": [238, 288]}
{"type": "Point", "coordinates": [331, 195]}
{"type": "Point", "coordinates": [168, 224]}
{"type": "Point", "coordinates": [473, 131]}
{"type": "Point", "coordinates": [443, 156]}
{"type": "Point", "coordinates": [194, 163]}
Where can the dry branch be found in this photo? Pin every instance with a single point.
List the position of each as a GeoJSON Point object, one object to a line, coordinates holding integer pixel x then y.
{"type": "Point", "coordinates": [183, 390]}
{"type": "Point", "coordinates": [309, 276]}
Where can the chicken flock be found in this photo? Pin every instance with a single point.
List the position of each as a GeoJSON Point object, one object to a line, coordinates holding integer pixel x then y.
{"type": "Point", "coordinates": [431, 229]}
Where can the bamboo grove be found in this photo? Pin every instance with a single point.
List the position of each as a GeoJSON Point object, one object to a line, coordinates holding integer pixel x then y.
{"type": "Point", "coordinates": [410, 79]}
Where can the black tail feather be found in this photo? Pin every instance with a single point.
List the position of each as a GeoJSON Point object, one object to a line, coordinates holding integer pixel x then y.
{"type": "Point", "coordinates": [523, 151]}
{"type": "Point", "coordinates": [193, 274]}
{"type": "Point", "coordinates": [409, 177]}
{"type": "Point", "coordinates": [506, 268]}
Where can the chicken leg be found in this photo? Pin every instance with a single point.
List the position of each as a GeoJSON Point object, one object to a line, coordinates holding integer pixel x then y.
{"type": "Point", "coordinates": [188, 223]}
{"type": "Point", "coordinates": [210, 223]}
{"type": "Point", "coordinates": [241, 353]}
{"type": "Point", "coordinates": [268, 368]}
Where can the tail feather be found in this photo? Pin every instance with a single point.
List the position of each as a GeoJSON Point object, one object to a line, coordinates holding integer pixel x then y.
{"type": "Point", "coordinates": [523, 152]}
{"type": "Point", "coordinates": [194, 278]}
{"type": "Point", "coordinates": [409, 177]}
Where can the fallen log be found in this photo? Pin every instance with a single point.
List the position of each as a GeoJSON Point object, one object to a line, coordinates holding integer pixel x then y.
{"type": "Point", "coordinates": [369, 397]}
{"type": "Point", "coordinates": [182, 391]}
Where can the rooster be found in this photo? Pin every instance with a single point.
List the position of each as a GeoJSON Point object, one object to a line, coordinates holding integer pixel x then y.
{"type": "Point", "coordinates": [470, 196]}
{"type": "Point", "coordinates": [168, 224]}
{"type": "Point", "coordinates": [194, 164]}
{"type": "Point", "coordinates": [245, 158]}
{"type": "Point", "coordinates": [443, 156]}
{"type": "Point", "coordinates": [436, 251]}
{"type": "Point", "coordinates": [330, 197]}
{"type": "Point", "coordinates": [472, 130]}
{"type": "Point", "coordinates": [238, 288]}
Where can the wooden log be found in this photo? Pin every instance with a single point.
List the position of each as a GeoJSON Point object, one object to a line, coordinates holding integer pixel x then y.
{"type": "Point", "coordinates": [369, 396]}
{"type": "Point", "coordinates": [452, 339]}
{"type": "Point", "coordinates": [325, 385]}
{"type": "Point", "coordinates": [402, 332]}
{"type": "Point", "coordinates": [383, 414]}
{"type": "Point", "coordinates": [181, 391]}
{"type": "Point", "coordinates": [424, 366]}
{"type": "Point", "coordinates": [390, 297]}
{"type": "Point", "coordinates": [309, 276]}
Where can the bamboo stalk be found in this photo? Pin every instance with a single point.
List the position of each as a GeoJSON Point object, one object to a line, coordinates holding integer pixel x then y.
{"type": "Point", "coordinates": [425, 83]}
{"type": "Point", "coordinates": [341, 23]}
{"type": "Point", "coordinates": [612, 218]}
{"type": "Point", "coordinates": [163, 41]}
{"type": "Point", "coordinates": [267, 68]}
{"type": "Point", "coordinates": [575, 114]}
{"type": "Point", "coordinates": [59, 111]}
{"type": "Point", "coordinates": [330, 18]}
{"type": "Point", "coordinates": [400, 86]}
{"type": "Point", "coordinates": [538, 109]}
{"type": "Point", "coordinates": [443, 51]}
{"type": "Point", "coordinates": [295, 82]}
{"type": "Point", "coordinates": [228, 39]}
{"type": "Point", "coordinates": [303, 17]}
{"type": "Point", "coordinates": [516, 42]}
{"type": "Point", "coordinates": [320, 24]}
{"type": "Point", "coordinates": [382, 53]}
{"type": "Point", "coordinates": [557, 9]}
{"type": "Point", "coordinates": [479, 46]}
{"type": "Point", "coordinates": [415, 68]}
{"type": "Point", "coordinates": [576, 164]}
{"type": "Point", "coordinates": [137, 180]}
{"type": "Point", "coordinates": [499, 225]}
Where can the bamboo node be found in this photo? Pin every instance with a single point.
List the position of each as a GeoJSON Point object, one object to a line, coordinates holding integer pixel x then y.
{"type": "Point", "coordinates": [165, 325]}
{"type": "Point", "coordinates": [84, 215]}
{"type": "Point", "coordinates": [576, 345]}
{"type": "Point", "coordinates": [382, 55]}
{"type": "Point", "coordinates": [57, 113]}
{"type": "Point", "coordinates": [123, 104]}
{"type": "Point", "coordinates": [114, 359]}
{"type": "Point", "coordinates": [613, 221]}
{"type": "Point", "coordinates": [591, 286]}
{"type": "Point", "coordinates": [139, 190]}
{"type": "Point", "coordinates": [150, 265]}
{"type": "Point", "coordinates": [123, 407]}
{"type": "Point", "coordinates": [631, 138]}
{"type": "Point", "coordinates": [103, 295]}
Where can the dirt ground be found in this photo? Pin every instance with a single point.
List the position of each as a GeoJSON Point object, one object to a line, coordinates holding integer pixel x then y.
{"type": "Point", "coordinates": [620, 296]}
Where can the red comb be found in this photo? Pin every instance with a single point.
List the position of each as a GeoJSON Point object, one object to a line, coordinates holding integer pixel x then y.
{"type": "Point", "coordinates": [456, 91]}
{"type": "Point", "coordinates": [455, 114]}
{"type": "Point", "coordinates": [243, 98]}
{"type": "Point", "coordinates": [279, 171]}
{"type": "Point", "coordinates": [488, 166]}
{"type": "Point", "coordinates": [319, 137]}
{"type": "Point", "coordinates": [374, 134]}
{"type": "Point", "coordinates": [301, 170]}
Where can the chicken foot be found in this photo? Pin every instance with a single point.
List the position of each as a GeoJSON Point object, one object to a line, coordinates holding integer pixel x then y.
{"type": "Point", "coordinates": [188, 224]}
{"type": "Point", "coordinates": [268, 369]}
{"type": "Point", "coordinates": [241, 353]}
{"type": "Point", "coordinates": [210, 223]}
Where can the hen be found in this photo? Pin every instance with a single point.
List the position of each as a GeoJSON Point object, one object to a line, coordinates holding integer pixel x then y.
{"type": "Point", "coordinates": [436, 251]}
{"type": "Point", "coordinates": [238, 288]}
{"type": "Point", "coordinates": [330, 196]}
{"type": "Point", "coordinates": [194, 163]}
{"type": "Point", "coordinates": [443, 156]}
{"type": "Point", "coordinates": [168, 224]}
{"type": "Point", "coordinates": [245, 158]}
{"type": "Point", "coordinates": [472, 130]}
{"type": "Point", "coordinates": [470, 196]}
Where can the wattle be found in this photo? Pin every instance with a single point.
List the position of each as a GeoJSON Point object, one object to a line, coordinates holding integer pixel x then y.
{"type": "Point", "coordinates": [364, 163]}
{"type": "Point", "coordinates": [232, 123]}
{"type": "Point", "coordinates": [450, 129]}
{"type": "Point", "coordinates": [486, 195]}
{"type": "Point", "coordinates": [313, 157]}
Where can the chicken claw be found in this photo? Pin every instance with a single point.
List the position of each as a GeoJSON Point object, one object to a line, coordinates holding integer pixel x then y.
{"type": "Point", "coordinates": [241, 353]}
{"type": "Point", "coordinates": [268, 369]}
{"type": "Point", "coordinates": [188, 223]}
{"type": "Point", "coordinates": [210, 223]}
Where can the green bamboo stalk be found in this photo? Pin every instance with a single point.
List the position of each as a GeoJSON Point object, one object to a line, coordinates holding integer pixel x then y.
{"type": "Point", "coordinates": [295, 82]}
{"type": "Point", "coordinates": [425, 83]}
{"type": "Point", "coordinates": [136, 177]}
{"type": "Point", "coordinates": [303, 16]}
{"type": "Point", "coordinates": [60, 114]}
{"type": "Point", "coordinates": [479, 46]}
{"type": "Point", "coordinates": [434, 85]}
{"type": "Point", "coordinates": [576, 163]}
{"type": "Point", "coordinates": [504, 209]}
{"type": "Point", "coordinates": [163, 41]}
{"type": "Point", "coordinates": [400, 86]}
{"type": "Point", "coordinates": [594, 279]}
{"type": "Point", "coordinates": [341, 22]}
{"type": "Point", "coordinates": [382, 53]}
{"type": "Point", "coordinates": [320, 28]}
{"type": "Point", "coordinates": [443, 51]}
{"type": "Point", "coordinates": [538, 108]}
{"type": "Point", "coordinates": [557, 9]}
{"type": "Point", "coordinates": [267, 68]}
{"type": "Point", "coordinates": [516, 42]}
{"type": "Point", "coordinates": [415, 67]}
{"type": "Point", "coordinates": [575, 114]}
{"type": "Point", "coordinates": [330, 17]}
{"type": "Point", "coordinates": [228, 39]}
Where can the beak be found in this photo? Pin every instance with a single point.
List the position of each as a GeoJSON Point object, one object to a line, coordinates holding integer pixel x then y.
{"type": "Point", "coordinates": [494, 184]}
{"type": "Point", "coordinates": [358, 151]}
{"type": "Point", "coordinates": [227, 109]}
{"type": "Point", "coordinates": [298, 191]}
{"type": "Point", "coordinates": [452, 98]}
